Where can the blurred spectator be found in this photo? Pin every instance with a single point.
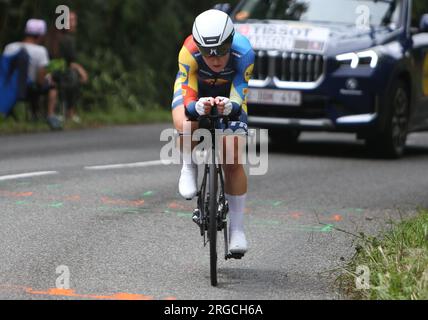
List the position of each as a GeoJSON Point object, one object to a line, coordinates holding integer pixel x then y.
{"type": "Point", "coordinates": [39, 81]}
{"type": "Point", "coordinates": [68, 73]}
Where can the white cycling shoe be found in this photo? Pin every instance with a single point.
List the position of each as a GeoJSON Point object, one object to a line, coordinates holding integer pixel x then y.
{"type": "Point", "coordinates": [188, 182]}
{"type": "Point", "coordinates": [238, 243]}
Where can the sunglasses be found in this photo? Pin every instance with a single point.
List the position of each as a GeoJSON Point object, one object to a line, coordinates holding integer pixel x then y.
{"type": "Point", "coordinates": [219, 51]}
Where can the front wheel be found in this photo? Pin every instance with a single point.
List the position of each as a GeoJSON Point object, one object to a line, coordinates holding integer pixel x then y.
{"type": "Point", "coordinates": [392, 141]}
{"type": "Point", "coordinates": [212, 230]}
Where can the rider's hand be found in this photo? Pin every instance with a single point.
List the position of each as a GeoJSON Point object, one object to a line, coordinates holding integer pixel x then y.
{"type": "Point", "coordinates": [224, 105]}
{"type": "Point", "coordinates": [204, 106]}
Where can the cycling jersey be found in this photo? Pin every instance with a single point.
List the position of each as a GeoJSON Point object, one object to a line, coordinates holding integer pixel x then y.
{"type": "Point", "coordinates": [196, 80]}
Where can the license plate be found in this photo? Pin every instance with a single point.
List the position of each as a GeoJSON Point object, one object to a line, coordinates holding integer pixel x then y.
{"type": "Point", "coordinates": [275, 97]}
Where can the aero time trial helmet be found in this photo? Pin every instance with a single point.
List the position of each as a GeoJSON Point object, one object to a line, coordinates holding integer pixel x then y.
{"type": "Point", "coordinates": [213, 33]}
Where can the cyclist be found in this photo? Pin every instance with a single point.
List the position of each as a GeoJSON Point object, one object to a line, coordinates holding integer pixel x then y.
{"type": "Point", "coordinates": [215, 65]}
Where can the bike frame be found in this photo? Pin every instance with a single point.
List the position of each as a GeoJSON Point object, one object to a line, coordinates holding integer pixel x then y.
{"type": "Point", "coordinates": [207, 210]}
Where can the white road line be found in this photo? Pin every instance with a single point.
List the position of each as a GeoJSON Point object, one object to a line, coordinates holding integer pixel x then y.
{"type": "Point", "coordinates": [27, 175]}
{"type": "Point", "coordinates": [128, 165]}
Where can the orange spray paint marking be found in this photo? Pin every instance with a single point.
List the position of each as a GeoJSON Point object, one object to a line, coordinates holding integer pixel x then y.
{"type": "Point", "coordinates": [52, 292]}
{"type": "Point", "coordinates": [130, 296]}
{"type": "Point", "coordinates": [73, 198]}
{"type": "Point", "coordinates": [16, 194]}
{"type": "Point", "coordinates": [174, 205]}
{"type": "Point", "coordinates": [296, 215]}
{"type": "Point", "coordinates": [178, 206]}
{"type": "Point", "coordinates": [337, 218]}
{"type": "Point", "coordinates": [137, 203]}
{"type": "Point", "coordinates": [73, 294]}
{"type": "Point", "coordinates": [24, 194]}
{"type": "Point", "coordinates": [106, 200]}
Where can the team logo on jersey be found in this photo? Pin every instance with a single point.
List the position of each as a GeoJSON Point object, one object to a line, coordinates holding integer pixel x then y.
{"type": "Point", "coordinates": [183, 73]}
{"type": "Point", "coordinates": [215, 82]}
{"type": "Point", "coordinates": [249, 73]}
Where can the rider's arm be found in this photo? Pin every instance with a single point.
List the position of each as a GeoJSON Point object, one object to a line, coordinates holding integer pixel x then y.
{"type": "Point", "coordinates": [239, 91]}
{"type": "Point", "coordinates": [189, 78]}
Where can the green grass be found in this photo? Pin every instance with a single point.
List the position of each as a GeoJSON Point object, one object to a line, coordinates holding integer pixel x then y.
{"type": "Point", "coordinates": [397, 261]}
{"type": "Point", "coordinates": [93, 119]}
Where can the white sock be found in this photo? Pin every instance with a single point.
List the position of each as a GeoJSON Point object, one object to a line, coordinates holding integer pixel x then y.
{"type": "Point", "coordinates": [188, 163]}
{"type": "Point", "coordinates": [236, 211]}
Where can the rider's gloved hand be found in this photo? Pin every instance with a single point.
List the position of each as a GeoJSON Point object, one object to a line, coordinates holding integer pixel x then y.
{"type": "Point", "coordinates": [224, 105]}
{"type": "Point", "coordinates": [204, 106]}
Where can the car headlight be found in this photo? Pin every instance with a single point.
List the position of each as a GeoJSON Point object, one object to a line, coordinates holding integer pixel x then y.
{"type": "Point", "coordinates": [356, 59]}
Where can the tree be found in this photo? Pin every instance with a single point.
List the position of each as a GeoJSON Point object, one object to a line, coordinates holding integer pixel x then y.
{"type": "Point", "coordinates": [129, 47]}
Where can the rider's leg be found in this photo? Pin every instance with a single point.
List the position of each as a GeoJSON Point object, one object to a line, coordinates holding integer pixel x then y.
{"type": "Point", "coordinates": [235, 176]}
{"type": "Point", "coordinates": [236, 191]}
{"type": "Point", "coordinates": [189, 172]}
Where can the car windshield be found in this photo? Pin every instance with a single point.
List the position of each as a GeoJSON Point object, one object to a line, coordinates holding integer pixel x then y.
{"type": "Point", "coordinates": [351, 12]}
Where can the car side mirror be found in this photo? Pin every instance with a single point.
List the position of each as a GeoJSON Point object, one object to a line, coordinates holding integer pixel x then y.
{"type": "Point", "coordinates": [225, 7]}
{"type": "Point", "coordinates": [423, 26]}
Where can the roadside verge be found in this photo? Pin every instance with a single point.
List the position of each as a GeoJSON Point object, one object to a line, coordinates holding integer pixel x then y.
{"type": "Point", "coordinates": [393, 266]}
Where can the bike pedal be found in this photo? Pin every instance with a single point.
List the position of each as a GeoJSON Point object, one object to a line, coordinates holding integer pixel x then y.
{"type": "Point", "coordinates": [220, 228]}
{"type": "Point", "coordinates": [197, 217]}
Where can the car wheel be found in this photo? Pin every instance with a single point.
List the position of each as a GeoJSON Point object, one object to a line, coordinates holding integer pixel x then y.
{"type": "Point", "coordinates": [391, 142]}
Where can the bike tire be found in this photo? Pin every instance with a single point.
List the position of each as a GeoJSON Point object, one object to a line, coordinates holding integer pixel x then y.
{"type": "Point", "coordinates": [212, 230]}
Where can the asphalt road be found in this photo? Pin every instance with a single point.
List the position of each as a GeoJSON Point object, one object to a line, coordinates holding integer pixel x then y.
{"type": "Point", "coordinates": [125, 232]}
